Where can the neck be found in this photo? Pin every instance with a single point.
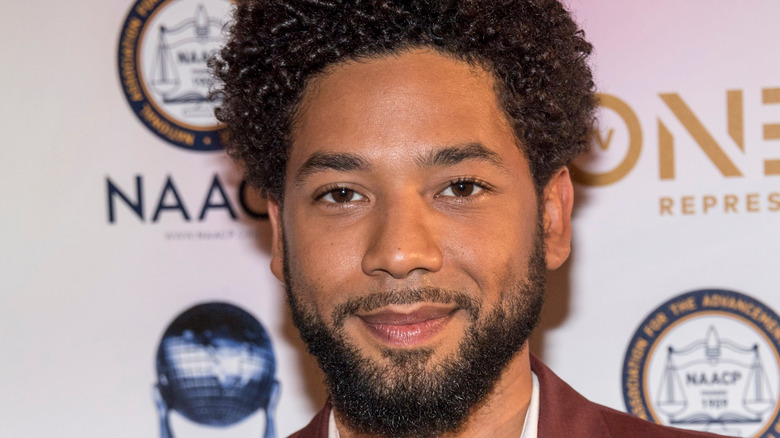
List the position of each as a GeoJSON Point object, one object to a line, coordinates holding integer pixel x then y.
{"type": "Point", "coordinates": [501, 414]}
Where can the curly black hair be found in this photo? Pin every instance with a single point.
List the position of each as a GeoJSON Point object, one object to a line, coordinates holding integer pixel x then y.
{"type": "Point", "coordinates": [535, 51]}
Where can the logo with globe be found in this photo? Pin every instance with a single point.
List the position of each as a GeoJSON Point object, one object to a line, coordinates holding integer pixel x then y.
{"type": "Point", "coordinates": [215, 367]}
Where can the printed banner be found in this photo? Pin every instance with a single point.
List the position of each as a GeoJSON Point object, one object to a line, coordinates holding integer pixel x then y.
{"type": "Point", "coordinates": [137, 299]}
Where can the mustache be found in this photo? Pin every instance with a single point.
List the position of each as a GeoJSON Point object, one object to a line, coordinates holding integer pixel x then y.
{"type": "Point", "coordinates": [377, 300]}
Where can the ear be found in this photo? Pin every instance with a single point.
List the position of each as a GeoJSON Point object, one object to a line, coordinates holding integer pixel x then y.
{"type": "Point", "coordinates": [557, 206]}
{"type": "Point", "coordinates": [277, 238]}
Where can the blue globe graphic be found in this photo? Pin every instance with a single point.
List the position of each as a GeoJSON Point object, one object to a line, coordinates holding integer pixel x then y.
{"type": "Point", "coordinates": [215, 365]}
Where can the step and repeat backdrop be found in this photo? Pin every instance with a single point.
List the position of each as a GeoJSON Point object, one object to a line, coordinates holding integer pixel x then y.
{"type": "Point", "coordinates": [136, 299]}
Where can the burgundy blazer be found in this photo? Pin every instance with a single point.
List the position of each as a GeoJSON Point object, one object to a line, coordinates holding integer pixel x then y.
{"type": "Point", "coordinates": [562, 413]}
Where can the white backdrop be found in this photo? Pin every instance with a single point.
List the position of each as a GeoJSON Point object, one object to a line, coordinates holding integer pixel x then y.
{"type": "Point", "coordinates": [84, 301]}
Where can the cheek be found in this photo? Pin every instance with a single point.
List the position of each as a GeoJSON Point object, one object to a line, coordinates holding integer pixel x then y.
{"type": "Point", "coordinates": [494, 249]}
{"type": "Point", "coordinates": [324, 264]}
{"type": "Point", "coordinates": [327, 255]}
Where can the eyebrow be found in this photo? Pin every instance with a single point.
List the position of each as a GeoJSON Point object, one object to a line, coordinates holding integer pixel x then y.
{"type": "Point", "coordinates": [447, 156]}
{"type": "Point", "coordinates": [456, 154]}
{"type": "Point", "coordinates": [338, 161]}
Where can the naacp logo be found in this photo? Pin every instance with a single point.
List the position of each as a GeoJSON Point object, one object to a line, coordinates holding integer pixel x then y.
{"type": "Point", "coordinates": [707, 360]}
{"type": "Point", "coordinates": [163, 51]}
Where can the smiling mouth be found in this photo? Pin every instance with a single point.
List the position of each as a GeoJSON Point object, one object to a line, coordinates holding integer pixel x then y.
{"type": "Point", "coordinates": [408, 328]}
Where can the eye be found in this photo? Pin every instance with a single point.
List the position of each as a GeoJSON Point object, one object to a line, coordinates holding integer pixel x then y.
{"type": "Point", "coordinates": [340, 195]}
{"type": "Point", "coordinates": [462, 189]}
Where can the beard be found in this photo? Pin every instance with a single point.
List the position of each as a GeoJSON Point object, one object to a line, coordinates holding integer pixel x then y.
{"type": "Point", "coordinates": [408, 396]}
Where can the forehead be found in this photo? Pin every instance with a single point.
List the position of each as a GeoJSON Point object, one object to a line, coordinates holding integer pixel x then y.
{"type": "Point", "coordinates": [397, 104]}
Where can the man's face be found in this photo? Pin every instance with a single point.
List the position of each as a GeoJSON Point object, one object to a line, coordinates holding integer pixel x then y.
{"type": "Point", "coordinates": [411, 236]}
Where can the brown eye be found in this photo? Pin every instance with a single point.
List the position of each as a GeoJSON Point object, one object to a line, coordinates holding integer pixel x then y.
{"type": "Point", "coordinates": [341, 195]}
{"type": "Point", "coordinates": [462, 189]}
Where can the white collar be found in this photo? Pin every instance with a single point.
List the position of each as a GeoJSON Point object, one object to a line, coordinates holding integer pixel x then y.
{"type": "Point", "coordinates": [530, 426]}
{"type": "Point", "coordinates": [333, 432]}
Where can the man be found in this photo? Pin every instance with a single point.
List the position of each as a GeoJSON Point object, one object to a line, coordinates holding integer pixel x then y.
{"type": "Point", "coordinates": [414, 155]}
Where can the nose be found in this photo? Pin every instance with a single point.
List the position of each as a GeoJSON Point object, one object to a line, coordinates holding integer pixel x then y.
{"type": "Point", "coordinates": [403, 241]}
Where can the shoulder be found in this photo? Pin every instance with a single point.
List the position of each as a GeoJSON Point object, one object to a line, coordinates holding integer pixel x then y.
{"type": "Point", "coordinates": [621, 424]}
{"type": "Point", "coordinates": [317, 427]}
{"type": "Point", "coordinates": [564, 412]}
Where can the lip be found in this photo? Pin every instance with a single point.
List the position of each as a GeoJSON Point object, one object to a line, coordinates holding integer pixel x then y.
{"type": "Point", "coordinates": [407, 328]}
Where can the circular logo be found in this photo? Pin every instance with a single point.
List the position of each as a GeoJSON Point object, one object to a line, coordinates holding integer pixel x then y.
{"type": "Point", "coordinates": [707, 360]}
{"type": "Point", "coordinates": [163, 54]}
{"type": "Point", "coordinates": [615, 145]}
{"type": "Point", "coordinates": [216, 367]}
